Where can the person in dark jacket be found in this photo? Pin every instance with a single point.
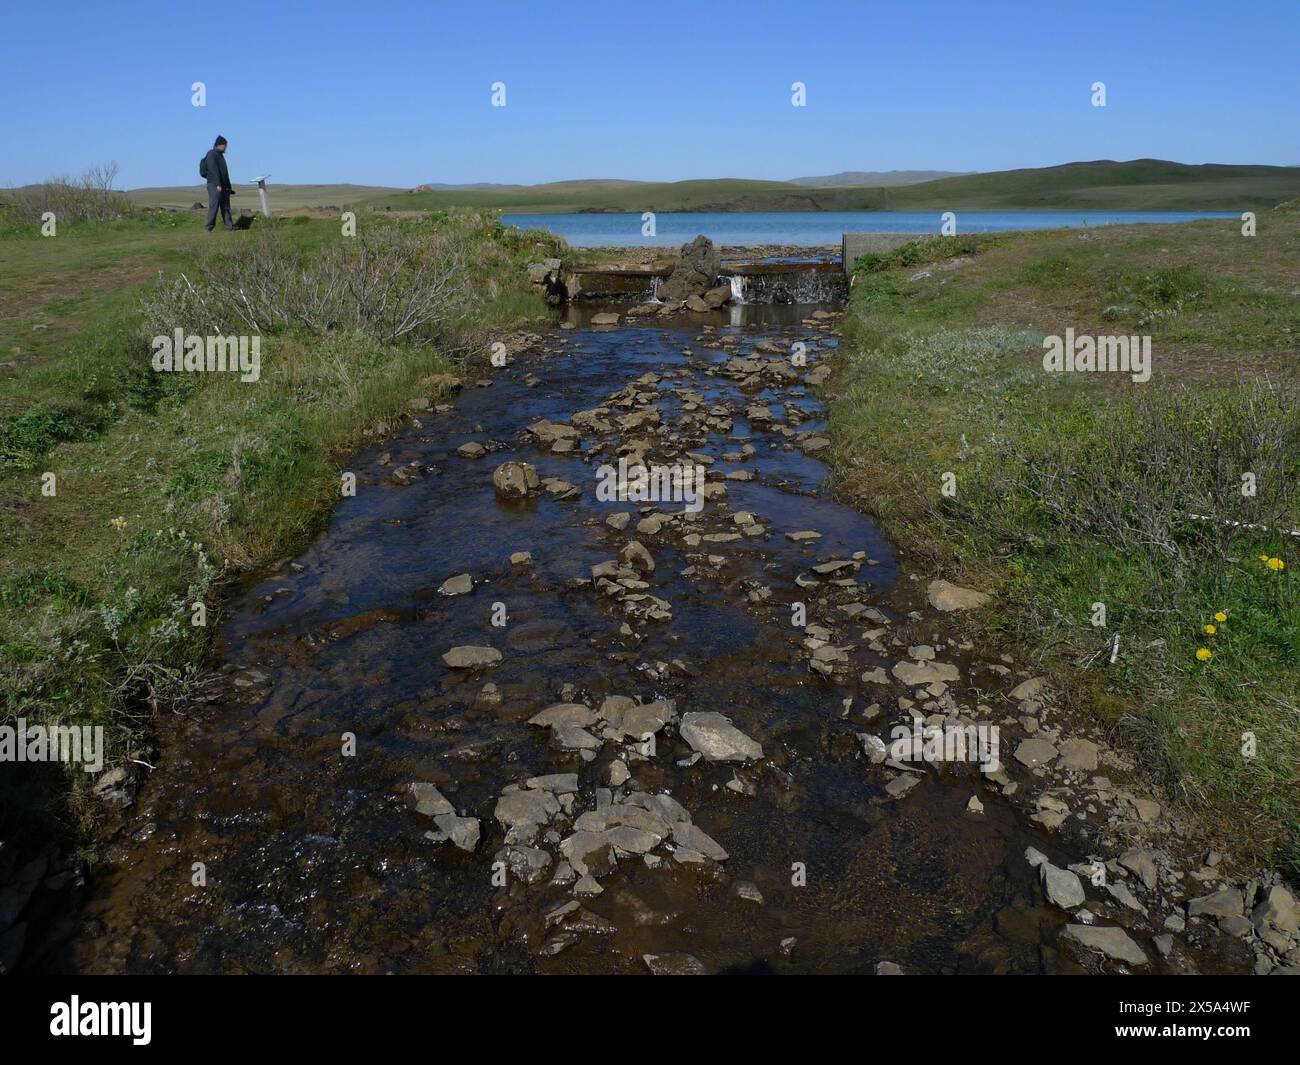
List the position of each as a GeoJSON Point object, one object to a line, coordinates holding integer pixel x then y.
{"type": "Point", "coordinates": [219, 190]}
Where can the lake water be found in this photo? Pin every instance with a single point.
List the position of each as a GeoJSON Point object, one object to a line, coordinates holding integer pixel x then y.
{"type": "Point", "coordinates": [811, 228]}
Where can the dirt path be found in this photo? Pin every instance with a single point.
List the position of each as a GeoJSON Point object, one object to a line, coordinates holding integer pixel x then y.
{"type": "Point", "coordinates": [628, 827]}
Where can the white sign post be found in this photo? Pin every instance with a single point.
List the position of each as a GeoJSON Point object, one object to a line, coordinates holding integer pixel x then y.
{"type": "Point", "coordinates": [261, 191]}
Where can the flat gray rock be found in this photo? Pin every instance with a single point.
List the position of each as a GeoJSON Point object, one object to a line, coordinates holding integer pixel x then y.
{"type": "Point", "coordinates": [917, 673]}
{"type": "Point", "coordinates": [461, 584]}
{"type": "Point", "coordinates": [688, 835]}
{"type": "Point", "coordinates": [1226, 902]}
{"type": "Point", "coordinates": [717, 739]}
{"type": "Point", "coordinates": [674, 964]}
{"type": "Point", "coordinates": [1111, 941]}
{"type": "Point", "coordinates": [426, 799]}
{"type": "Point", "coordinates": [1035, 752]}
{"type": "Point", "coordinates": [1078, 754]}
{"type": "Point", "coordinates": [471, 657]}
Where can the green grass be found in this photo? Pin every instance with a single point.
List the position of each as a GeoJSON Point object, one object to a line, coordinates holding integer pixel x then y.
{"type": "Point", "coordinates": [169, 485]}
{"type": "Point", "coordinates": [1077, 489]}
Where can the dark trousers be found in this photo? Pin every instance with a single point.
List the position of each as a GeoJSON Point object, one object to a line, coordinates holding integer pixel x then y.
{"type": "Point", "coordinates": [219, 199]}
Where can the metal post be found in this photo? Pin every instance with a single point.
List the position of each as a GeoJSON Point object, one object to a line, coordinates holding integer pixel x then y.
{"type": "Point", "coordinates": [261, 191]}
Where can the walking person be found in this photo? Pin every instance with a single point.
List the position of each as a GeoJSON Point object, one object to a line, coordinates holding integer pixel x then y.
{"type": "Point", "coordinates": [213, 170]}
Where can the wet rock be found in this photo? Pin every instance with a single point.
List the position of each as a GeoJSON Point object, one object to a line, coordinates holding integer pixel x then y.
{"type": "Point", "coordinates": [521, 558]}
{"type": "Point", "coordinates": [605, 318]}
{"type": "Point", "coordinates": [426, 799]}
{"type": "Point", "coordinates": [559, 783]}
{"type": "Point", "coordinates": [528, 864]}
{"type": "Point", "coordinates": [974, 805]}
{"type": "Point", "coordinates": [574, 738]}
{"type": "Point", "coordinates": [461, 584]}
{"type": "Point", "coordinates": [462, 831]}
{"type": "Point", "coordinates": [576, 714]}
{"type": "Point", "coordinates": [873, 747]}
{"type": "Point", "coordinates": [1062, 887]}
{"type": "Point", "coordinates": [948, 597]}
{"type": "Point", "coordinates": [717, 739]}
{"type": "Point", "coordinates": [1111, 941]}
{"type": "Point", "coordinates": [694, 273]}
{"type": "Point", "coordinates": [531, 807]}
{"type": "Point", "coordinates": [471, 450]}
{"type": "Point", "coordinates": [549, 434]}
{"type": "Point", "coordinates": [748, 890]}
{"type": "Point", "coordinates": [902, 784]}
{"type": "Point", "coordinates": [888, 968]}
{"type": "Point", "coordinates": [515, 480]}
{"type": "Point", "coordinates": [471, 657]}
{"type": "Point", "coordinates": [558, 488]}
{"type": "Point", "coordinates": [674, 965]}
{"type": "Point", "coordinates": [637, 721]}
{"type": "Point", "coordinates": [691, 837]}
{"type": "Point", "coordinates": [635, 555]}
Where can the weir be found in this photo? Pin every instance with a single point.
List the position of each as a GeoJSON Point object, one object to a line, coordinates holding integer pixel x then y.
{"type": "Point", "coordinates": [806, 281]}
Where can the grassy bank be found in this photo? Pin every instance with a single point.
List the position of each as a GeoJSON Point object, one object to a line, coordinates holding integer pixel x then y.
{"type": "Point", "coordinates": [1078, 489]}
{"type": "Point", "coordinates": [166, 485]}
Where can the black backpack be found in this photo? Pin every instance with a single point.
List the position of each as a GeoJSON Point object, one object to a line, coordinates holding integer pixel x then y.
{"type": "Point", "coordinates": [203, 167]}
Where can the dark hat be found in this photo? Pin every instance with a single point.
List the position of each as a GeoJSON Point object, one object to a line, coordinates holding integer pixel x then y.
{"type": "Point", "coordinates": [219, 140]}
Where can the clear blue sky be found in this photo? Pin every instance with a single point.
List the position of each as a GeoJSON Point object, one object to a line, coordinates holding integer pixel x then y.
{"type": "Point", "coordinates": [398, 93]}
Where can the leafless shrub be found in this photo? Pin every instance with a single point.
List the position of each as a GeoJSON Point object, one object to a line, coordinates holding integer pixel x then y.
{"type": "Point", "coordinates": [91, 197]}
{"type": "Point", "coordinates": [391, 284]}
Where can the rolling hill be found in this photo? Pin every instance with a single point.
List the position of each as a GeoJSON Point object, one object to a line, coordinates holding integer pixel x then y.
{"type": "Point", "coordinates": [1136, 185]}
{"type": "Point", "coordinates": [1102, 185]}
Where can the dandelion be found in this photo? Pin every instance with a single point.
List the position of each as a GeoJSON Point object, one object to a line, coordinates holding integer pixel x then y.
{"type": "Point", "coordinates": [1276, 564]}
{"type": "Point", "coordinates": [1204, 654]}
{"type": "Point", "coordinates": [1220, 617]}
{"type": "Point", "coordinates": [1210, 630]}
{"type": "Point", "coordinates": [1263, 558]}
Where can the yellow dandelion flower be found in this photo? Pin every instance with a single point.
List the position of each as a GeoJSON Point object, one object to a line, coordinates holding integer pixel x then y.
{"type": "Point", "coordinates": [1210, 630]}
{"type": "Point", "coordinates": [1276, 564]}
{"type": "Point", "coordinates": [1204, 654]}
{"type": "Point", "coordinates": [1220, 617]}
{"type": "Point", "coordinates": [1263, 558]}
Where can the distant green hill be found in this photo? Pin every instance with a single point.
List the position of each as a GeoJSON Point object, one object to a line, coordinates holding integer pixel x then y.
{"type": "Point", "coordinates": [1137, 185]}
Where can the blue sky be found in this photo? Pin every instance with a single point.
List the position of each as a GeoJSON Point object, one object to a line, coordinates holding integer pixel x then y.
{"type": "Point", "coordinates": [400, 93]}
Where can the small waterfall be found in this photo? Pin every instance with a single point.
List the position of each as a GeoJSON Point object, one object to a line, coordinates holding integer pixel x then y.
{"type": "Point", "coordinates": [737, 289]}
{"type": "Point", "coordinates": [654, 290]}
